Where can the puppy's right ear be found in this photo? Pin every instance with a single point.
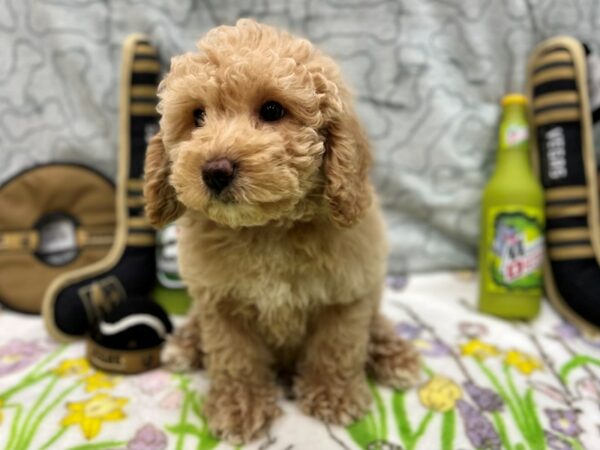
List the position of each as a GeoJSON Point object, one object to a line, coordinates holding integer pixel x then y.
{"type": "Point", "coordinates": [162, 206]}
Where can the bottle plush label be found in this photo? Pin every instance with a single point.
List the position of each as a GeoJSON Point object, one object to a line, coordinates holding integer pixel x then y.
{"type": "Point", "coordinates": [516, 251]}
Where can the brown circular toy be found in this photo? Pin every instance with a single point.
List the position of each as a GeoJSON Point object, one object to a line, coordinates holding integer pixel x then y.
{"type": "Point", "coordinates": [55, 218]}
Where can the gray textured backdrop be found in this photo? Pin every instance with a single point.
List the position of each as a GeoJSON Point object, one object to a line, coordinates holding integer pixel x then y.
{"type": "Point", "coordinates": [427, 75]}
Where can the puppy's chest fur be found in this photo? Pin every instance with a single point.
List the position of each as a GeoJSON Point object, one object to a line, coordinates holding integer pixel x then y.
{"type": "Point", "coordinates": [276, 280]}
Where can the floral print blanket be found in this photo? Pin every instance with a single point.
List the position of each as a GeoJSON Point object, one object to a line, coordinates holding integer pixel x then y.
{"type": "Point", "coordinates": [487, 384]}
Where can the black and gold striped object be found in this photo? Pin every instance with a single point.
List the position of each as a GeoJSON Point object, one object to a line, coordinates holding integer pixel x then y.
{"type": "Point", "coordinates": [79, 299]}
{"type": "Point", "coordinates": [564, 157]}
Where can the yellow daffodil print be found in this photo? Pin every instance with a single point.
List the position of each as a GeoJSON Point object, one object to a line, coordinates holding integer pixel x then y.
{"type": "Point", "coordinates": [440, 394]}
{"type": "Point", "coordinates": [75, 366]}
{"type": "Point", "coordinates": [526, 364]}
{"type": "Point", "coordinates": [92, 413]}
{"type": "Point", "coordinates": [478, 349]}
{"type": "Point", "coordinates": [99, 380]}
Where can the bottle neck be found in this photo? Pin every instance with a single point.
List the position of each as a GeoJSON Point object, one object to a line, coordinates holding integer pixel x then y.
{"type": "Point", "coordinates": [513, 149]}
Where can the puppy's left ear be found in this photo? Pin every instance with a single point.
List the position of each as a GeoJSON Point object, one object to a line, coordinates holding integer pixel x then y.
{"type": "Point", "coordinates": [162, 206]}
{"type": "Point", "coordinates": [347, 162]}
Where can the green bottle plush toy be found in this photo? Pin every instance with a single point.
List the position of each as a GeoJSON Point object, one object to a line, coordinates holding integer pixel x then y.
{"type": "Point", "coordinates": [512, 223]}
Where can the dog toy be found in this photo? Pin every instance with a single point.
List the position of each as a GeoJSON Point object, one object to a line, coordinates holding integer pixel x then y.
{"type": "Point", "coordinates": [563, 152]}
{"type": "Point", "coordinates": [76, 300]}
{"type": "Point", "coordinates": [55, 218]}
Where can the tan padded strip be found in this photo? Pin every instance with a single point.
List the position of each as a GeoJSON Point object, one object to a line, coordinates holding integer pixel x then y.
{"type": "Point", "coordinates": [144, 49]}
{"type": "Point", "coordinates": [574, 252]}
{"type": "Point", "coordinates": [141, 240]}
{"type": "Point", "coordinates": [566, 193]}
{"type": "Point", "coordinates": [135, 184]}
{"type": "Point", "coordinates": [143, 90]}
{"type": "Point", "coordinates": [567, 234]}
{"type": "Point", "coordinates": [139, 222]}
{"type": "Point", "coordinates": [135, 202]}
{"type": "Point", "coordinates": [146, 66]}
{"type": "Point", "coordinates": [553, 57]}
{"type": "Point", "coordinates": [19, 240]}
{"type": "Point", "coordinates": [555, 98]}
{"type": "Point", "coordinates": [143, 109]}
{"type": "Point", "coordinates": [567, 114]}
{"type": "Point", "coordinates": [553, 73]}
{"type": "Point", "coordinates": [557, 212]}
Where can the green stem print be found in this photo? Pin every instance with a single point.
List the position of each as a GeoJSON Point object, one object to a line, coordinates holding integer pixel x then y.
{"type": "Point", "coordinates": [372, 427]}
{"type": "Point", "coordinates": [521, 407]}
{"type": "Point", "coordinates": [448, 430]}
{"type": "Point", "coordinates": [409, 437]}
{"type": "Point", "coordinates": [574, 363]}
{"type": "Point", "coordinates": [185, 427]}
{"type": "Point", "coordinates": [33, 376]}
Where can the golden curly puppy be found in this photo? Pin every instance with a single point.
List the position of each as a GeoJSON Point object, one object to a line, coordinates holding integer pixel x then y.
{"type": "Point", "coordinates": [282, 245]}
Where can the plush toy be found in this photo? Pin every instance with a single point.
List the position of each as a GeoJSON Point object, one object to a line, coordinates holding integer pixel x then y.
{"type": "Point", "coordinates": [110, 300]}
{"type": "Point", "coordinates": [49, 227]}
{"type": "Point", "coordinates": [563, 150]}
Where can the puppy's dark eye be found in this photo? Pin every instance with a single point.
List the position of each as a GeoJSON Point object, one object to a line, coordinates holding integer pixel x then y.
{"type": "Point", "coordinates": [199, 117]}
{"type": "Point", "coordinates": [271, 111]}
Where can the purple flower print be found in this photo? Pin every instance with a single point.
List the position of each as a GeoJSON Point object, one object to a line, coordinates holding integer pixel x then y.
{"type": "Point", "coordinates": [408, 331]}
{"type": "Point", "coordinates": [16, 355]}
{"type": "Point", "coordinates": [556, 443]}
{"type": "Point", "coordinates": [478, 428]}
{"type": "Point", "coordinates": [588, 388]}
{"type": "Point", "coordinates": [486, 399]}
{"type": "Point", "coordinates": [431, 347]}
{"type": "Point", "coordinates": [564, 421]}
{"type": "Point", "coordinates": [397, 282]}
{"type": "Point", "coordinates": [566, 330]}
{"type": "Point", "coordinates": [151, 383]}
{"type": "Point", "coordinates": [148, 438]}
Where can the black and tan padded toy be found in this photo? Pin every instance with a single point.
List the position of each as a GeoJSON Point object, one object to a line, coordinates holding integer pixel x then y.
{"type": "Point", "coordinates": [55, 218]}
{"type": "Point", "coordinates": [79, 302]}
{"type": "Point", "coordinates": [564, 157]}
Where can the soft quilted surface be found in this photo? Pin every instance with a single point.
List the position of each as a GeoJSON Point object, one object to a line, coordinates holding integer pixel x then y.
{"type": "Point", "coordinates": [487, 384]}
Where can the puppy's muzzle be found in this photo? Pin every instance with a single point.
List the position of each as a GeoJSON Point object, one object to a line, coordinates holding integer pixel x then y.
{"type": "Point", "coordinates": [218, 174]}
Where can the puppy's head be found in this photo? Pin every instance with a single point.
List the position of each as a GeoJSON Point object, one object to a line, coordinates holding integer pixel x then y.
{"type": "Point", "coordinates": [256, 127]}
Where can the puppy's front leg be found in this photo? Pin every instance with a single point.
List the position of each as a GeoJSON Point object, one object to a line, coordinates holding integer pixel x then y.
{"type": "Point", "coordinates": [242, 400]}
{"type": "Point", "coordinates": [332, 383]}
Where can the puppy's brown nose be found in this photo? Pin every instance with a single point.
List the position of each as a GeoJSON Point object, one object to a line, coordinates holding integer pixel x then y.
{"type": "Point", "coordinates": [218, 174]}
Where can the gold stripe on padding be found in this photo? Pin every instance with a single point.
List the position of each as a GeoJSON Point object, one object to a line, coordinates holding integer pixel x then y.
{"type": "Point", "coordinates": [556, 212]}
{"type": "Point", "coordinates": [143, 90]}
{"type": "Point", "coordinates": [146, 66]}
{"type": "Point", "coordinates": [135, 202]}
{"type": "Point", "coordinates": [566, 193]}
{"type": "Point", "coordinates": [567, 114]}
{"type": "Point", "coordinates": [135, 184]}
{"type": "Point", "coordinates": [138, 222]}
{"type": "Point", "coordinates": [143, 109]}
{"type": "Point", "coordinates": [555, 98]}
{"type": "Point", "coordinates": [567, 234]}
{"type": "Point", "coordinates": [553, 73]}
{"type": "Point", "coordinates": [19, 240]}
{"type": "Point", "coordinates": [144, 49]}
{"type": "Point", "coordinates": [553, 57]}
{"type": "Point", "coordinates": [141, 240]}
{"type": "Point", "coordinates": [575, 252]}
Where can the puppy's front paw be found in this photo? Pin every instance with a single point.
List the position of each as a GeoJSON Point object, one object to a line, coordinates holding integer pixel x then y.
{"type": "Point", "coordinates": [394, 362]}
{"type": "Point", "coordinates": [181, 352]}
{"type": "Point", "coordinates": [237, 412]}
{"type": "Point", "coordinates": [334, 401]}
